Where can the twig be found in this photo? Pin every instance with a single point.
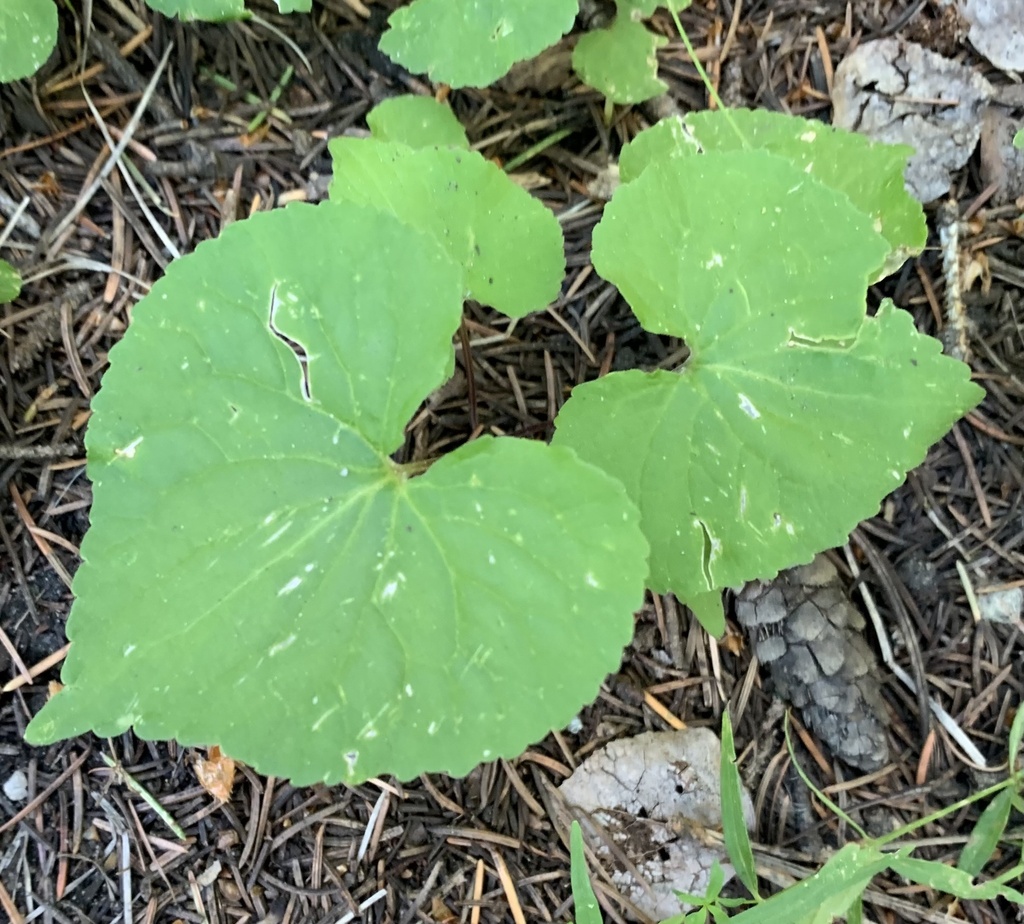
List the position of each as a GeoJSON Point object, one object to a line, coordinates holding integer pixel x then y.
{"type": "Point", "coordinates": [10, 451]}
{"type": "Point", "coordinates": [5, 232]}
{"type": "Point", "coordinates": [115, 155]}
{"type": "Point", "coordinates": [955, 337]}
{"type": "Point", "coordinates": [45, 794]}
{"type": "Point", "coordinates": [125, 777]}
{"type": "Point", "coordinates": [944, 718]}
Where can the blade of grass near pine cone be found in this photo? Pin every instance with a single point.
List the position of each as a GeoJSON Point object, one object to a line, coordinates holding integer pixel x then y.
{"type": "Point", "coordinates": [734, 825]}
{"type": "Point", "coordinates": [509, 243]}
{"type": "Point", "coordinates": [259, 574]}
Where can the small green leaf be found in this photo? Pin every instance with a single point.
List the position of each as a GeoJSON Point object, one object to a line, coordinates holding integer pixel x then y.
{"type": "Point", "coordinates": [418, 121]}
{"type": "Point", "coordinates": [716, 878]}
{"type": "Point", "coordinates": [509, 243]}
{"type": "Point", "coordinates": [951, 881]}
{"type": "Point", "coordinates": [621, 61]}
{"type": "Point", "coordinates": [986, 834]}
{"type": "Point", "coordinates": [795, 414]}
{"type": "Point", "coordinates": [855, 914]}
{"type": "Point", "coordinates": [1018, 140]}
{"type": "Point", "coordinates": [1016, 734]}
{"type": "Point", "coordinates": [583, 897]}
{"type": "Point", "coordinates": [28, 32]}
{"type": "Point", "coordinates": [219, 10]}
{"type": "Point", "coordinates": [203, 10]}
{"type": "Point", "coordinates": [260, 574]}
{"type": "Point", "coordinates": [734, 825]}
{"type": "Point", "coordinates": [870, 173]}
{"type": "Point", "coordinates": [471, 43]}
{"type": "Point", "coordinates": [10, 282]}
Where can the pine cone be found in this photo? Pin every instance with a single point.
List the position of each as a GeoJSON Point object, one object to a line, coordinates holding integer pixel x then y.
{"type": "Point", "coordinates": [811, 637]}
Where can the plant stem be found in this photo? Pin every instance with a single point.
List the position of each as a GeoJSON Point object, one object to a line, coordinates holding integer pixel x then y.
{"type": "Point", "coordinates": [712, 92]}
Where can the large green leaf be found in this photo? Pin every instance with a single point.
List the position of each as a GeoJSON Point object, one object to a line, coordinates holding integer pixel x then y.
{"type": "Point", "coordinates": [418, 121]}
{"type": "Point", "coordinates": [10, 282]}
{"type": "Point", "coordinates": [28, 32]}
{"type": "Point", "coordinates": [509, 243]}
{"type": "Point", "coordinates": [795, 414]}
{"type": "Point", "coordinates": [260, 574]}
{"type": "Point", "coordinates": [621, 61]}
{"type": "Point", "coordinates": [471, 43]}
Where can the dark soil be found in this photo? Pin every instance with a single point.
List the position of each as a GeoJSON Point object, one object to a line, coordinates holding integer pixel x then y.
{"type": "Point", "coordinates": [86, 846]}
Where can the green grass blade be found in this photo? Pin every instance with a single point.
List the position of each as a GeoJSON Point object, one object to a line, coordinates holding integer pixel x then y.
{"type": "Point", "coordinates": [952, 881]}
{"type": "Point", "coordinates": [986, 834]}
{"type": "Point", "coordinates": [737, 841]}
{"type": "Point", "coordinates": [1016, 733]}
{"type": "Point", "coordinates": [827, 894]}
{"type": "Point", "coordinates": [587, 910]}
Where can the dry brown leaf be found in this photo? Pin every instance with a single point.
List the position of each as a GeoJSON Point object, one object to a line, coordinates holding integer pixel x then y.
{"type": "Point", "coordinates": [732, 642]}
{"type": "Point", "coordinates": [440, 912]}
{"type": "Point", "coordinates": [216, 774]}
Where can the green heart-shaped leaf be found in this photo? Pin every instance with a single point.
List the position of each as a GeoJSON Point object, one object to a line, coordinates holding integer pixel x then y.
{"type": "Point", "coordinates": [260, 574]}
{"type": "Point", "coordinates": [795, 413]}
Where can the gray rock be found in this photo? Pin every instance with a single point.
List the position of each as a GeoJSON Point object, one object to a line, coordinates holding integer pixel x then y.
{"type": "Point", "coordinates": [653, 795]}
{"type": "Point", "coordinates": [901, 93]}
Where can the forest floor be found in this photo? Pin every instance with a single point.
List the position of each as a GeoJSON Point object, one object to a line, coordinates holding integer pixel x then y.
{"type": "Point", "coordinates": [85, 845]}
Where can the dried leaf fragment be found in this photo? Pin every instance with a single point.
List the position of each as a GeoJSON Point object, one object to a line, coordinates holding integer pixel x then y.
{"type": "Point", "coordinates": [216, 774]}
